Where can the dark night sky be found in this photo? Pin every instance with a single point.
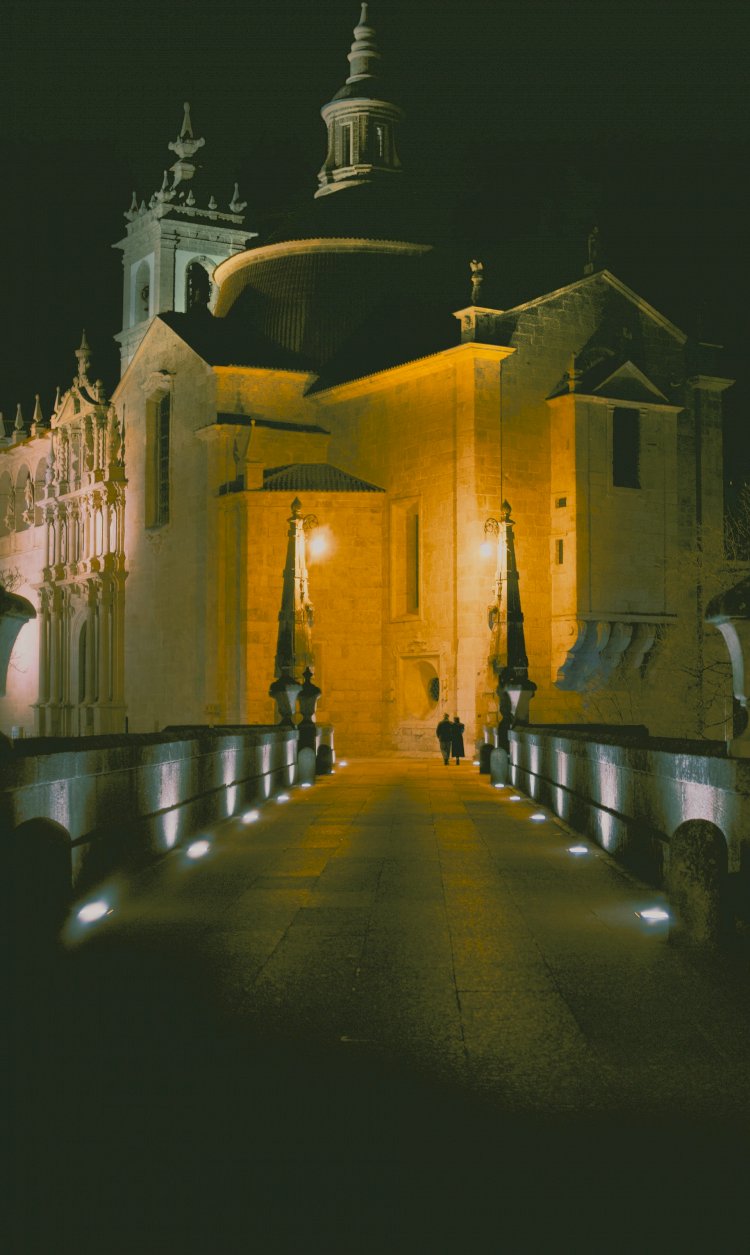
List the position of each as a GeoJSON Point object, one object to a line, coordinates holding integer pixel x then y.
{"type": "Point", "coordinates": [525, 123]}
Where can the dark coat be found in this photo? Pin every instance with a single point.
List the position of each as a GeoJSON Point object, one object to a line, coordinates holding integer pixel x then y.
{"type": "Point", "coordinates": [445, 731]}
{"type": "Point", "coordinates": [457, 740]}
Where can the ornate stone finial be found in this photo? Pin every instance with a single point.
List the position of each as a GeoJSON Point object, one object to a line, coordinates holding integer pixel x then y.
{"type": "Point", "coordinates": [187, 128]}
{"type": "Point", "coordinates": [213, 203]}
{"type": "Point", "coordinates": [132, 212]}
{"type": "Point", "coordinates": [56, 402]}
{"type": "Point", "coordinates": [83, 353]}
{"type": "Point", "coordinates": [364, 54]}
{"type": "Point", "coordinates": [185, 146]}
{"type": "Point", "coordinates": [594, 246]}
{"type": "Point", "coordinates": [37, 418]}
{"type": "Point", "coordinates": [19, 424]}
{"type": "Point", "coordinates": [3, 433]}
{"type": "Point", "coordinates": [477, 279]}
{"type": "Point", "coordinates": [236, 205]}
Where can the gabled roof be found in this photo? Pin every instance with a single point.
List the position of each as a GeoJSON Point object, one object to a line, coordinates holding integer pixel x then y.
{"type": "Point", "coordinates": [313, 477]}
{"type": "Point", "coordinates": [625, 383]}
{"type": "Point", "coordinates": [605, 276]}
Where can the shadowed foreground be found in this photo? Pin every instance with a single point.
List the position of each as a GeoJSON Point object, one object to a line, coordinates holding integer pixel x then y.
{"type": "Point", "coordinates": [395, 1014]}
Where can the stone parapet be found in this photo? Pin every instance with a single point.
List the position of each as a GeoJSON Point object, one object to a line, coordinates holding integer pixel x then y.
{"type": "Point", "coordinates": [123, 798]}
{"type": "Point", "coordinates": [631, 793]}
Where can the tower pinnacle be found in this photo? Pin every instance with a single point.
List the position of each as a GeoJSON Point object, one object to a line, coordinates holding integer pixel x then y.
{"type": "Point", "coordinates": [185, 146]}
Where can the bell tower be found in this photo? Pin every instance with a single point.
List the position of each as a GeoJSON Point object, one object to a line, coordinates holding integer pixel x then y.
{"type": "Point", "coordinates": [174, 243]}
{"type": "Point", "coordinates": [362, 123]}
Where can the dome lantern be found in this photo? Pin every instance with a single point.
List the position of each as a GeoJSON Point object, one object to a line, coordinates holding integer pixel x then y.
{"type": "Point", "coordinates": [362, 122]}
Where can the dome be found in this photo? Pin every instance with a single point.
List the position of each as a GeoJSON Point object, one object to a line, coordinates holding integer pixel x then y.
{"type": "Point", "coordinates": [310, 295]}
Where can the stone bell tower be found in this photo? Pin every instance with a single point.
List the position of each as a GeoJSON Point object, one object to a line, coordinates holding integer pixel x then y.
{"type": "Point", "coordinates": [362, 123]}
{"type": "Point", "coordinates": [174, 243]}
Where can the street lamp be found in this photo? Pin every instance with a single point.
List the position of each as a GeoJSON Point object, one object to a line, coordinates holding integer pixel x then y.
{"type": "Point", "coordinates": [515, 689]}
{"type": "Point", "coordinates": [294, 642]}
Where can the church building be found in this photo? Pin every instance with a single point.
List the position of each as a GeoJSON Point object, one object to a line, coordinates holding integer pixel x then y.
{"type": "Point", "coordinates": [335, 375]}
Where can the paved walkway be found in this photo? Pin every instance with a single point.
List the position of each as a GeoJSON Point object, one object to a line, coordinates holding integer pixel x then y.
{"type": "Point", "coordinates": [416, 1020]}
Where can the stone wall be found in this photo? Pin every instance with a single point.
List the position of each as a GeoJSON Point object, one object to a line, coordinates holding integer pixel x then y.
{"type": "Point", "coordinates": [632, 797]}
{"type": "Point", "coordinates": [120, 799]}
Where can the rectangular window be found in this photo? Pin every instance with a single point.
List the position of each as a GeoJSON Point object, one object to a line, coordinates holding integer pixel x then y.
{"type": "Point", "coordinates": [346, 144]}
{"type": "Point", "coordinates": [412, 561]}
{"type": "Point", "coordinates": [559, 552]}
{"type": "Point", "coordinates": [406, 573]}
{"type": "Point", "coordinates": [560, 502]}
{"type": "Point", "coordinates": [157, 460]}
{"type": "Point", "coordinates": [626, 441]}
{"type": "Point", "coordinates": [162, 483]}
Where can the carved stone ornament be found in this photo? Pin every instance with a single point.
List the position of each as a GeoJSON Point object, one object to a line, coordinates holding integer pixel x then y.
{"type": "Point", "coordinates": [158, 381]}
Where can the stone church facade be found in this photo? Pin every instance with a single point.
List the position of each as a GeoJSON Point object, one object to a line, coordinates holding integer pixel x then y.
{"type": "Point", "coordinates": [333, 364]}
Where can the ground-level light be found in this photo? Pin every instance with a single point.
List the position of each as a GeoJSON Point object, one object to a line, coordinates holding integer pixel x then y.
{"type": "Point", "coordinates": [198, 849]}
{"type": "Point", "coordinates": [653, 915]}
{"type": "Point", "coordinates": [92, 911]}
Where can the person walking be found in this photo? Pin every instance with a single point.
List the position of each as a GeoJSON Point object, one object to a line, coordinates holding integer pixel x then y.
{"type": "Point", "coordinates": [457, 739]}
{"type": "Point", "coordinates": [445, 737]}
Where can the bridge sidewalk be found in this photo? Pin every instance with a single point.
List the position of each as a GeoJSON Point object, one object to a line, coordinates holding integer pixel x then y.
{"type": "Point", "coordinates": [397, 976]}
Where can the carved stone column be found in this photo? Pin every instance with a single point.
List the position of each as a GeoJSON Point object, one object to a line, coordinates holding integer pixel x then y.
{"type": "Point", "coordinates": [105, 638]}
{"type": "Point", "coordinates": [91, 645]}
{"type": "Point", "coordinates": [44, 631]}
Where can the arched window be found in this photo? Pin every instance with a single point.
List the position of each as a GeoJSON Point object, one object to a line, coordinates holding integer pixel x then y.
{"type": "Point", "coordinates": [197, 286]}
{"type": "Point", "coordinates": [7, 505]}
{"type": "Point", "coordinates": [142, 296]}
{"type": "Point", "coordinates": [24, 500]}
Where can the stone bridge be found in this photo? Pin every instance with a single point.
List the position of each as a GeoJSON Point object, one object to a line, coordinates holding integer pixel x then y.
{"type": "Point", "coordinates": [676, 812]}
{"type": "Point", "coordinates": [74, 810]}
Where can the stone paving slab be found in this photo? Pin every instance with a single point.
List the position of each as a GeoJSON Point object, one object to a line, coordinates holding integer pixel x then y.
{"type": "Point", "coordinates": [396, 905]}
{"type": "Point", "coordinates": [395, 1011]}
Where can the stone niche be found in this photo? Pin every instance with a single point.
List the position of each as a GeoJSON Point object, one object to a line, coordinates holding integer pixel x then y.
{"type": "Point", "coordinates": [420, 687]}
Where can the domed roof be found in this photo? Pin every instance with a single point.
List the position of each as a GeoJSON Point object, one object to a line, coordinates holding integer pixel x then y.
{"type": "Point", "coordinates": [309, 296]}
